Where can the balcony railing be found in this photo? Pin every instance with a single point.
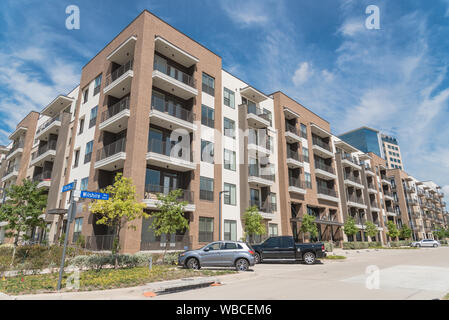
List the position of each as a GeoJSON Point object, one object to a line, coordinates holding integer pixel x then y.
{"type": "Point", "coordinates": [171, 108]}
{"type": "Point", "coordinates": [345, 156]}
{"type": "Point", "coordinates": [99, 243]}
{"type": "Point", "coordinates": [164, 148]}
{"type": "Point", "coordinates": [151, 192]}
{"type": "Point", "coordinates": [265, 206]}
{"type": "Point", "coordinates": [354, 198]}
{"type": "Point", "coordinates": [296, 182]}
{"type": "Point", "coordinates": [258, 112]}
{"type": "Point", "coordinates": [11, 170]}
{"type": "Point", "coordinates": [111, 149]}
{"type": "Point", "coordinates": [291, 128]}
{"type": "Point", "coordinates": [327, 191]}
{"type": "Point", "coordinates": [175, 74]}
{"type": "Point", "coordinates": [47, 123]}
{"type": "Point", "coordinates": [294, 155]}
{"type": "Point", "coordinates": [118, 72]}
{"type": "Point", "coordinates": [325, 167]}
{"type": "Point", "coordinates": [173, 242]}
{"type": "Point", "coordinates": [51, 145]}
{"type": "Point", "coordinates": [320, 143]}
{"type": "Point", "coordinates": [15, 147]}
{"type": "Point", "coordinates": [253, 139]}
{"type": "Point", "coordinates": [115, 109]}
{"type": "Point", "coordinates": [373, 204]}
{"type": "Point", "coordinates": [353, 178]}
{"type": "Point", "coordinates": [45, 175]}
{"type": "Point", "coordinates": [388, 194]}
{"type": "Point", "coordinates": [254, 171]}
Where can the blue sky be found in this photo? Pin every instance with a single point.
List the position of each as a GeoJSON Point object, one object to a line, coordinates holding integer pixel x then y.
{"type": "Point", "coordinates": [319, 52]}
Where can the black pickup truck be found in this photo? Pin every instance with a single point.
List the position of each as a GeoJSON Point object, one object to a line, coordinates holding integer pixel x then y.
{"type": "Point", "coordinates": [284, 248]}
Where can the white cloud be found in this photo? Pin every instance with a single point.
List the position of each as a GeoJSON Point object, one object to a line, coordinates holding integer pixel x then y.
{"type": "Point", "coordinates": [302, 73]}
{"type": "Point", "coordinates": [245, 13]}
{"type": "Point", "coordinates": [352, 27]}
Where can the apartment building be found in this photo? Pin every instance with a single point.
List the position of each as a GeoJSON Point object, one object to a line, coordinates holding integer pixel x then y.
{"type": "Point", "coordinates": [392, 152]}
{"type": "Point", "coordinates": [157, 107]}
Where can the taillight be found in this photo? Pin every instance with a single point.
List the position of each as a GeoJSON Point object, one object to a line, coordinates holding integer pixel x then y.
{"type": "Point", "coordinates": [251, 251]}
{"type": "Point", "coordinates": [323, 248]}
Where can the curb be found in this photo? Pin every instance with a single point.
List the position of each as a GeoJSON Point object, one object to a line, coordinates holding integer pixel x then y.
{"type": "Point", "coordinates": [180, 285]}
{"type": "Point", "coordinates": [4, 296]}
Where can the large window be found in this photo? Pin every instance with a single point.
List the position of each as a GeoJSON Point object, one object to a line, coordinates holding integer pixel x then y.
{"type": "Point", "coordinates": [229, 128]}
{"type": "Point", "coordinates": [207, 151]}
{"type": "Point", "coordinates": [303, 131]}
{"type": "Point", "coordinates": [273, 201]}
{"type": "Point", "coordinates": [229, 160]}
{"type": "Point", "coordinates": [207, 116]}
{"type": "Point", "coordinates": [272, 230]}
{"type": "Point", "coordinates": [88, 154]}
{"type": "Point", "coordinates": [308, 180]}
{"type": "Point", "coordinates": [97, 85]}
{"type": "Point", "coordinates": [77, 229]}
{"type": "Point", "coordinates": [231, 194]}
{"type": "Point", "coordinates": [206, 188]}
{"type": "Point", "coordinates": [230, 230]}
{"type": "Point", "coordinates": [208, 84]}
{"type": "Point", "coordinates": [93, 116]}
{"type": "Point", "coordinates": [305, 154]}
{"type": "Point", "coordinates": [84, 183]}
{"type": "Point", "coordinates": [228, 98]}
{"type": "Point", "coordinates": [206, 229]}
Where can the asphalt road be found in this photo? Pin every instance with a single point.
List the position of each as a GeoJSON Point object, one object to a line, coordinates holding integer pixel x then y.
{"type": "Point", "coordinates": [382, 274]}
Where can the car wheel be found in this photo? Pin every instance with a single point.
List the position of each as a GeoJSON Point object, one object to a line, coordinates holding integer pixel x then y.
{"type": "Point", "coordinates": [241, 265]}
{"type": "Point", "coordinates": [435, 245]}
{"type": "Point", "coordinates": [309, 258]}
{"type": "Point", "coordinates": [257, 258]}
{"type": "Point", "coordinates": [418, 245]}
{"type": "Point", "coordinates": [193, 264]}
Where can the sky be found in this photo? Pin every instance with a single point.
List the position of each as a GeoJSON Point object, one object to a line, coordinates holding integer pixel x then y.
{"type": "Point", "coordinates": [394, 79]}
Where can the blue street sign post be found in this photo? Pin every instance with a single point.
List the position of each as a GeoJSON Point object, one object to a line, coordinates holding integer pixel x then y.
{"type": "Point", "coordinates": [68, 187]}
{"type": "Point", "coordinates": [94, 195]}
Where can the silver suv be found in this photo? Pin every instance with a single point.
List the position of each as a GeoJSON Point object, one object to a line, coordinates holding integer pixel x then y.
{"type": "Point", "coordinates": [426, 243]}
{"type": "Point", "coordinates": [219, 254]}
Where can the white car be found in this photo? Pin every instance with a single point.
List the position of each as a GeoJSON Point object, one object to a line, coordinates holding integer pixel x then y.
{"type": "Point", "coordinates": [426, 243]}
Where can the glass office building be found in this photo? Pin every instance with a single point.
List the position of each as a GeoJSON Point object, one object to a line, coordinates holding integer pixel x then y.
{"type": "Point", "coordinates": [365, 139]}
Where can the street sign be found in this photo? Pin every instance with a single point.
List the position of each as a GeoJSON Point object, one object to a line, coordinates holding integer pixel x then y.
{"type": "Point", "coordinates": [68, 187]}
{"type": "Point", "coordinates": [94, 195]}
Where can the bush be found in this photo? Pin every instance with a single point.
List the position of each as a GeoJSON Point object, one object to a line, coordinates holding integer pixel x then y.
{"type": "Point", "coordinates": [329, 246]}
{"type": "Point", "coordinates": [361, 245]}
{"type": "Point", "coordinates": [401, 243]}
{"type": "Point", "coordinates": [171, 258]}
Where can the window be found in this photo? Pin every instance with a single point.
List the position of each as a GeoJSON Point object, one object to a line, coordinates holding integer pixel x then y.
{"type": "Point", "coordinates": [93, 116]}
{"type": "Point", "coordinates": [208, 84]}
{"type": "Point", "coordinates": [303, 131]}
{"type": "Point", "coordinates": [231, 246]}
{"type": "Point", "coordinates": [88, 154]}
{"type": "Point", "coordinates": [77, 157]}
{"type": "Point", "coordinates": [97, 85]}
{"type": "Point", "coordinates": [207, 151]}
{"type": "Point", "coordinates": [272, 230]}
{"type": "Point", "coordinates": [206, 232]}
{"type": "Point", "coordinates": [84, 183]}
{"type": "Point", "coordinates": [230, 230]}
{"type": "Point", "coordinates": [229, 128]}
{"type": "Point", "coordinates": [229, 98]}
{"type": "Point", "coordinates": [308, 180]}
{"type": "Point", "coordinates": [305, 154]}
{"type": "Point", "coordinates": [231, 195]}
{"type": "Point", "coordinates": [77, 229]}
{"type": "Point", "coordinates": [85, 95]}
{"type": "Point", "coordinates": [272, 243]}
{"type": "Point", "coordinates": [273, 201]}
{"type": "Point", "coordinates": [207, 116]}
{"type": "Point", "coordinates": [229, 160]}
{"type": "Point", "coordinates": [206, 188]}
{"type": "Point", "coordinates": [81, 126]}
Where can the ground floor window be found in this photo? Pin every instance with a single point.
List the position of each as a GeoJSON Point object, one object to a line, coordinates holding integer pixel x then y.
{"type": "Point", "coordinates": [230, 230]}
{"type": "Point", "coordinates": [273, 230]}
{"type": "Point", "coordinates": [206, 229]}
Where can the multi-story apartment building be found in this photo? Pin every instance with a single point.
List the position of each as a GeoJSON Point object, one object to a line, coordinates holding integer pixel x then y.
{"type": "Point", "coordinates": [157, 107]}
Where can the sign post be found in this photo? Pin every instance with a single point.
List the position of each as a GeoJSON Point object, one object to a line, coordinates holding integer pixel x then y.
{"type": "Point", "coordinates": [70, 215]}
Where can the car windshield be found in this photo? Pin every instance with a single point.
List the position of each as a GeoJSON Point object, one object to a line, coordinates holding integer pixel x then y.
{"type": "Point", "coordinates": [212, 246]}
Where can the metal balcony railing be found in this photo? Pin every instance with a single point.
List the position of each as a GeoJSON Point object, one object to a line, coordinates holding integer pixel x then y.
{"type": "Point", "coordinates": [45, 175]}
{"type": "Point", "coordinates": [353, 178]}
{"type": "Point", "coordinates": [164, 148]}
{"type": "Point", "coordinates": [254, 171]}
{"type": "Point", "coordinates": [151, 192]}
{"type": "Point", "coordinates": [15, 147]}
{"type": "Point", "coordinates": [294, 155]}
{"type": "Point", "coordinates": [291, 128]}
{"type": "Point", "coordinates": [118, 72]}
{"type": "Point", "coordinates": [175, 74]}
{"type": "Point", "coordinates": [111, 149]}
{"type": "Point", "coordinates": [345, 156]}
{"type": "Point", "coordinates": [11, 170]}
{"type": "Point", "coordinates": [325, 167]}
{"type": "Point", "coordinates": [115, 109]}
{"type": "Point", "coordinates": [296, 182]}
{"type": "Point", "coordinates": [320, 143]}
{"type": "Point", "coordinates": [51, 145]}
{"type": "Point", "coordinates": [354, 198]}
{"type": "Point", "coordinates": [173, 242]}
{"type": "Point", "coordinates": [265, 206]}
{"type": "Point", "coordinates": [258, 112]}
{"type": "Point", "coordinates": [47, 123]}
{"type": "Point", "coordinates": [327, 191]}
{"type": "Point", "coordinates": [172, 108]}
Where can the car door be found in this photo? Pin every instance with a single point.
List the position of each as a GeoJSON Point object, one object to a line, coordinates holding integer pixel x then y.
{"type": "Point", "coordinates": [427, 243]}
{"type": "Point", "coordinates": [229, 251]}
{"type": "Point", "coordinates": [270, 248]}
{"type": "Point", "coordinates": [287, 249]}
{"type": "Point", "coordinates": [210, 254]}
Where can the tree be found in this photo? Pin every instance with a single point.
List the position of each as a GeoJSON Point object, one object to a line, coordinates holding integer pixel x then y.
{"type": "Point", "coordinates": [121, 208]}
{"type": "Point", "coordinates": [440, 233]}
{"type": "Point", "coordinates": [405, 232]}
{"type": "Point", "coordinates": [393, 231]}
{"type": "Point", "coordinates": [308, 225]}
{"type": "Point", "coordinates": [253, 222]}
{"type": "Point", "coordinates": [371, 229]}
{"type": "Point", "coordinates": [349, 227]}
{"type": "Point", "coordinates": [23, 210]}
{"type": "Point", "coordinates": [170, 216]}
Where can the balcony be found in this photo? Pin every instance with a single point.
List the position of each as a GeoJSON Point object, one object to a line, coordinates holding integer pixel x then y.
{"type": "Point", "coordinates": [348, 160]}
{"type": "Point", "coordinates": [294, 159]}
{"type": "Point", "coordinates": [170, 79]}
{"type": "Point", "coordinates": [151, 192]}
{"type": "Point", "coordinates": [115, 119]}
{"type": "Point", "coordinates": [44, 153]}
{"type": "Point", "coordinates": [353, 181]}
{"type": "Point", "coordinates": [370, 171]}
{"type": "Point", "coordinates": [255, 145]}
{"type": "Point", "coordinates": [11, 173]}
{"type": "Point", "coordinates": [385, 180]}
{"type": "Point", "coordinates": [374, 207]}
{"type": "Point", "coordinates": [371, 188]}
{"type": "Point", "coordinates": [290, 114]}
{"type": "Point", "coordinates": [324, 171]}
{"type": "Point", "coordinates": [296, 186]}
{"type": "Point", "coordinates": [167, 114]}
{"type": "Point", "coordinates": [168, 49]}
{"type": "Point", "coordinates": [390, 211]}
{"type": "Point", "coordinates": [266, 209]}
{"type": "Point", "coordinates": [55, 107]}
{"type": "Point", "coordinates": [292, 134]}
{"type": "Point", "coordinates": [256, 177]}
{"type": "Point", "coordinates": [388, 195]}
{"type": "Point", "coordinates": [112, 156]}
{"type": "Point", "coordinates": [51, 126]}
{"type": "Point", "coordinates": [256, 118]}
{"type": "Point", "coordinates": [17, 149]}
{"type": "Point", "coordinates": [118, 83]}
{"type": "Point", "coordinates": [17, 133]}
{"type": "Point", "coordinates": [43, 179]}
{"type": "Point", "coordinates": [354, 201]}
{"type": "Point", "coordinates": [327, 194]}
{"type": "Point", "coordinates": [321, 148]}
{"type": "Point", "coordinates": [410, 189]}
{"type": "Point", "coordinates": [170, 156]}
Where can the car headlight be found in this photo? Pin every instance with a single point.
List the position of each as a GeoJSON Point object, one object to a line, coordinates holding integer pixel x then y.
{"type": "Point", "coordinates": [182, 254]}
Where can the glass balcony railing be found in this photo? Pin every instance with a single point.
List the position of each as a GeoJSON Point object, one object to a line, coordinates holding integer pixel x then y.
{"type": "Point", "coordinates": [111, 149]}
{"type": "Point", "coordinates": [255, 171]}
{"type": "Point", "coordinates": [172, 108]}
{"type": "Point", "coordinates": [164, 148]}
{"type": "Point", "coordinates": [175, 73]}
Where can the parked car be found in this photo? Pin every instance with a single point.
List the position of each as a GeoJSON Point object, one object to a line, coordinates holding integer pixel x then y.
{"type": "Point", "coordinates": [284, 248]}
{"type": "Point", "coordinates": [219, 254]}
{"type": "Point", "coordinates": [426, 243]}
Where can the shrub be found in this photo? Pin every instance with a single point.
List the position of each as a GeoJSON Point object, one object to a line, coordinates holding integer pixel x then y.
{"type": "Point", "coordinates": [171, 258]}
{"type": "Point", "coordinates": [329, 246]}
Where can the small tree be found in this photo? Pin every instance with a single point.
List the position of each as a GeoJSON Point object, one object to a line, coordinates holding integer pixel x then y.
{"type": "Point", "coordinates": [440, 234]}
{"type": "Point", "coordinates": [405, 232]}
{"type": "Point", "coordinates": [349, 227]}
{"type": "Point", "coordinates": [22, 211]}
{"type": "Point", "coordinates": [253, 222]}
{"type": "Point", "coordinates": [308, 225]}
{"type": "Point", "coordinates": [170, 217]}
{"type": "Point", "coordinates": [393, 231]}
{"type": "Point", "coordinates": [371, 229]}
{"type": "Point", "coordinates": [121, 208]}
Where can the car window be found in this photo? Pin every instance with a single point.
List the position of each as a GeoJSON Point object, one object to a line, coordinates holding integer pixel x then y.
{"type": "Point", "coordinates": [272, 243]}
{"type": "Point", "coordinates": [214, 246]}
{"type": "Point", "coordinates": [287, 242]}
{"type": "Point", "coordinates": [230, 246]}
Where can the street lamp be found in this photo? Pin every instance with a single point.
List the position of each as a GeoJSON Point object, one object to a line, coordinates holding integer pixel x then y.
{"type": "Point", "coordinates": [219, 213]}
